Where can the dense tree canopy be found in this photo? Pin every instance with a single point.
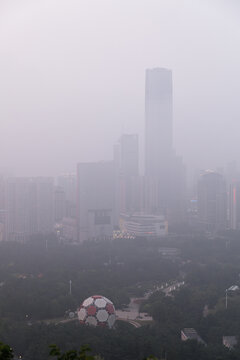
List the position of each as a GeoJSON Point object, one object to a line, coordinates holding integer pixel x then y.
{"type": "Point", "coordinates": [34, 290]}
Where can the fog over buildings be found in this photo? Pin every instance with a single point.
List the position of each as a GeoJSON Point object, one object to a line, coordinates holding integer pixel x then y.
{"type": "Point", "coordinates": [122, 103]}
{"type": "Point", "coordinates": [72, 79]}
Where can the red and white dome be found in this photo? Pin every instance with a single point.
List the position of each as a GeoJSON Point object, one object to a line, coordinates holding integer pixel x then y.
{"type": "Point", "coordinates": [97, 310]}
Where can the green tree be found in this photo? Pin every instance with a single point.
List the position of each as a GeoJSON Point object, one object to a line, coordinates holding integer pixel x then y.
{"type": "Point", "coordinates": [6, 352]}
{"type": "Point", "coordinates": [73, 354]}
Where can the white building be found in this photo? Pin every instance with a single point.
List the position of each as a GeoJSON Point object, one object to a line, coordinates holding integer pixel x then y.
{"type": "Point", "coordinates": [144, 225]}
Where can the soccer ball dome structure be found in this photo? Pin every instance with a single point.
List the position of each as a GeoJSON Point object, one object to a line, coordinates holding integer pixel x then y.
{"type": "Point", "coordinates": [97, 311]}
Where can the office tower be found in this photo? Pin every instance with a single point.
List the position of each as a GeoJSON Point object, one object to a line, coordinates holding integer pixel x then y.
{"type": "Point", "coordinates": [29, 207]}
{"type": "Point", "coordinates": [95, 200]}
{"type": "Point", "coordinates": [212, 202]}
{"type": "Point", "coordinates": [234, 205]}
{"type": "Point", "coordinates": [158, 121]}
{"type": "Point", "coordinates": [164, 171]}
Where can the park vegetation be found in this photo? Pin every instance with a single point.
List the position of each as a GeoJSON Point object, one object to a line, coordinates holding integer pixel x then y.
{"type": "Point", "coordinates": [35, 296]}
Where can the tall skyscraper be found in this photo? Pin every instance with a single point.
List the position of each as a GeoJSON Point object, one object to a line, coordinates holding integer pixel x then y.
{"type": "Point", "coordinates": [158, 121]}
{"type": "Point", "coordinates": [164, 171]}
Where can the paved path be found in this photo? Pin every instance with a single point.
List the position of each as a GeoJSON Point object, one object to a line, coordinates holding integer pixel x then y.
{"type": "Point", "coordinates": [132, 322]}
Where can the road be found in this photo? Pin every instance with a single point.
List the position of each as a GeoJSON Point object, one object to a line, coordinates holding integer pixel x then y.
{"type": "Point", "coordinates": [132, 322]}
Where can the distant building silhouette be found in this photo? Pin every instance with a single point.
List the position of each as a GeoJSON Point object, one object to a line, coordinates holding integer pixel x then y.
{"type": "Point", "coordinates": [212, 202]}
{"type": "Point", "coordinates": [68, 183]}
{"type": "Point", "coordinates": [95, 200]}
{"type": "Point", "coordinates": [129, 155]}
{"type": "Point", "coordinates": [165, 173]}
{"type": "Point", "coordinates": [158, 121]}
{"type": "Point", "coordinates": [126, 160]}
{"type": "Point", "coordinates": [29, 204]}
{"type": "Point", "coordinates": [59, 204]}
{"type": "Point", "coordinates": [234, 205]}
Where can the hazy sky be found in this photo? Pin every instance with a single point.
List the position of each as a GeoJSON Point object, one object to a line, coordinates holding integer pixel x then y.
{"type": "Point", "coordinates": [72, 78]}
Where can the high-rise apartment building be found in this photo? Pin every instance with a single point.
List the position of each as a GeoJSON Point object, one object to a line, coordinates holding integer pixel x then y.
{"type": "Point", "coordinates": [234, 205]}
{"type": "Point", "coordinates": [68, 183]}
{"type": "Point", "coordinates": [29, 205]}
{"type": "Point", "coordinates": [59, 204]}
{"type": "Point", "coordinates": [95, 200]}
{"type": "Point", "coordinates": [212, 202]}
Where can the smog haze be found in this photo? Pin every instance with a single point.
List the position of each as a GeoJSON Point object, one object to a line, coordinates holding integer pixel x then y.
{"type": "Point", "coordinates": [73, 72]}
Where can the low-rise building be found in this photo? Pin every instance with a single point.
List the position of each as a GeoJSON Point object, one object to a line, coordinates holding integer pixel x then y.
{"type": "Point", "coordinates": [66, 230]}
{"type": "Point", "coordinates": [144, 225]}
{"type": "Point", "coordinates": [169, 252]}
{"type": "Point", "coordinates": [230, 341]}
{"type": "Point", "coordinates": [191, 334]}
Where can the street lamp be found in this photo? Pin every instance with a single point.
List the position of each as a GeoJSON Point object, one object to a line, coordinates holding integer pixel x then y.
{"type": "Point", "coordinates": [70, 287]}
